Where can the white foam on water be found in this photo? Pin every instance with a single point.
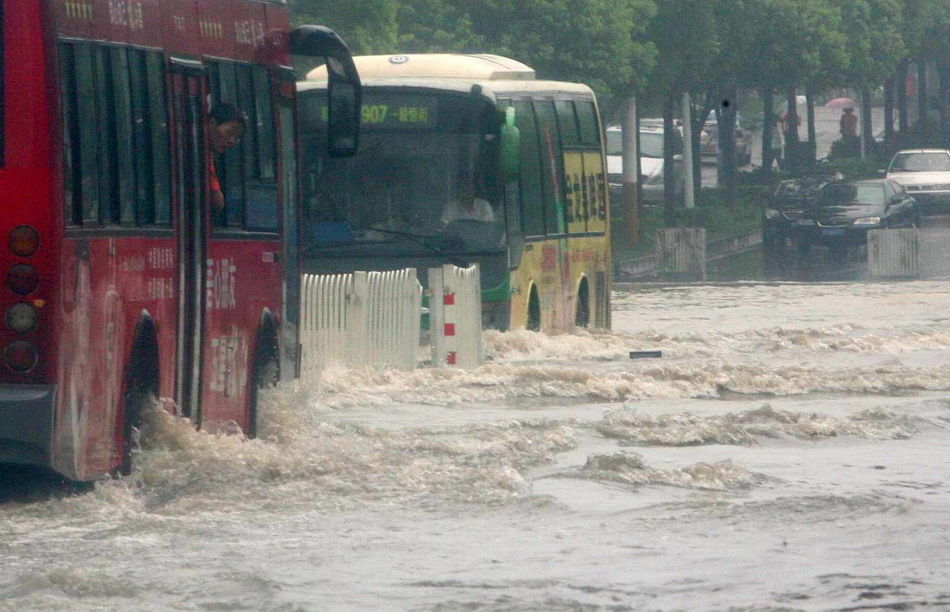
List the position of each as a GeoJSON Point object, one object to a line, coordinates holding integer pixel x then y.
{"type": "Point", "coordinates": [500, 381]}
{"type": "Point", "coordinates": [72, 583]}
{"type": "Point", "coordinates": [629, 468]}
{"type": "Point", "coordinates": [303, 460]}
{"type": "Point", "coordinates": [743, 428]}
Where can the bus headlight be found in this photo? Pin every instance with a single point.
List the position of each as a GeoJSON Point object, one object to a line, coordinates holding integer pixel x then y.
{"type": "Point", "coordinates": [20, 356]}
{"type": "Point", "coordinates": [867, 221]}
{"type": "Point", "coordinates": [21, 318]}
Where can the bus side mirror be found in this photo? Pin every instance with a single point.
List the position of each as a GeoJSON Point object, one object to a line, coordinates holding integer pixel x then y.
{"type": "Point", "coordinates": [510, 147]}
{"type": "Point", "coordinates": [343, 117]}
{"type": "Point", "coordinates": [344, 90]}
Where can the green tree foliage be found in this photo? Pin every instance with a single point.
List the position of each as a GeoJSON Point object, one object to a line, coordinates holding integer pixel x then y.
{"type": "Point", "coordinates": [590, 41]}
{"type": "Point", "coordinates": [438, 26]}
{"type": "Point", "coordinates": [597, 42]}
{"type": "Point", "coordinates": [874, 40]}
{"type": "Point", "coordinates": [926, 25]}
{"type": "Point", "coordinates": [368, 26]}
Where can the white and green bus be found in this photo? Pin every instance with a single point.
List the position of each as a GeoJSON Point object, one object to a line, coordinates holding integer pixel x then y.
{"type": "Point", "coordinates": [466, 159]}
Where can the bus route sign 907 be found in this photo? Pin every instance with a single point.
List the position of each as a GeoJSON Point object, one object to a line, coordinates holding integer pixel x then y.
{"type": "Point", "coordinates": [394, 112]}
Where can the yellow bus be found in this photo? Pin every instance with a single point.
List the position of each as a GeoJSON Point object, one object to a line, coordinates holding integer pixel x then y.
{"type": "Point", "coordinates": [466, 159]}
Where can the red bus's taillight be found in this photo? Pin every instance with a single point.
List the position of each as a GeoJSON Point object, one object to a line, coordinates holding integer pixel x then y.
{"type": "Point", "coordinates": [22, 279]}
{"type": "Point", "coordinates": [21, 318]}
{"type": "Point", "coordinates": [20, 356]}
{"type": "Point", "coordinates": [24, 240]}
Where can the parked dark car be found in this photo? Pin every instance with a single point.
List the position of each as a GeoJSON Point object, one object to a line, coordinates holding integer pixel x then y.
{"type": "Point", "coordinates": [786, 206]}
{"type": "Point", "coordinates": [843, 212]}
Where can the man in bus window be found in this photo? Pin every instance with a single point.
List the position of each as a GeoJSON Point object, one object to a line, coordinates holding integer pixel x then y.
{"type": "Point", "coordinates": [467, 206]}
{"type": "Point", "coordinates": [226, 126]}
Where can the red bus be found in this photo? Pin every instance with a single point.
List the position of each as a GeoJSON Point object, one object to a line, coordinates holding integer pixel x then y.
{"type": "Point", "coordinates": [122, 283]}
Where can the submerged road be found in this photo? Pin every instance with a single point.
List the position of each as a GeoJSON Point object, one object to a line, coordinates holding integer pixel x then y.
{"type": "Point", "coordinates": [787, 452]}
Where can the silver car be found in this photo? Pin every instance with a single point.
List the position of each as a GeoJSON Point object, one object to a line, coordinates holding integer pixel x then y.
{"type": "Point", "coordinates": [925, 173]}
{"type": "Point", "coordinates": [651, 161]}
{"type": "Point", "coordinates": [709, 141]}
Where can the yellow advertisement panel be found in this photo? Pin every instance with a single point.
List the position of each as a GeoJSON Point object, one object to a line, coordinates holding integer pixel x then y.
{"type": "Point", "coordinates": [576, 195]}
{"type": "Point", "coordinates": [596, 192]}
{"type": "Point", "coordinates": [586, 191]}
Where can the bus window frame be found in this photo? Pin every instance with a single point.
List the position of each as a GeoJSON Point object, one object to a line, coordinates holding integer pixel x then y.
{"type": "Point", "coordinates": [246, 156]}
{"type": "Point", "coordinates": [530, 98]}
{"type": "Point", "coordinates": [3, 89]}
{"type": "Point", "coordinates": [84, 218]}
{"type": "Point", "coordinates": [582, 148]}
{"type": "Point", "coordinates": [558, 155]}
{"type": "Point", "coordinates": [526, 102]}
{"type": "Point", "coordinates": [597, 143]}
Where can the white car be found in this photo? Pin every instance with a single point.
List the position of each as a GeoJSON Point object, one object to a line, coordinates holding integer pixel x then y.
{"type": "Point", "coordinates": [925, 174]}
{"type": "Point", "coordinates": [651, 161]}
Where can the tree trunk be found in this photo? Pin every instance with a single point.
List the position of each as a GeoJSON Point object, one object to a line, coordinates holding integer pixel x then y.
{"type": "Point", "coordinates": [699, 121]}
{"type": "Point", "coordinates": [669, 182]}
{"type": "Point", "coordinates": [903, 122]}
{"type": "Point", "coordinates": [889, 112]}
{"type": "Point", "coordinates": [922, 115]}
{"type": "Point", "coordinates": [945, 102]}
{"type": "Point", "coordinates": [768, 121]}
{"type": "Point", "coordinates": [727, 144]}
{"type": "Point", "coordinates": [810, 111]}
{"type": "Point", "coordinates": [867, 132]}
{"type": "Point", "coordinates": [791, 117]}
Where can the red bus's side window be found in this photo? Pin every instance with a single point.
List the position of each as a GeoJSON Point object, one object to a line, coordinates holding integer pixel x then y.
{"type": "Point", "coordinates": [248, 172]}
{"type": "Point", "coordinates": [3, 78]}
{"type": "Point", "coordinates": [116, 157]}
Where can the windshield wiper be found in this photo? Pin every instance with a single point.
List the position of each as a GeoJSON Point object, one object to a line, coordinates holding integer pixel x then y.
{"type": "Point", "coordinates": [423, 241]}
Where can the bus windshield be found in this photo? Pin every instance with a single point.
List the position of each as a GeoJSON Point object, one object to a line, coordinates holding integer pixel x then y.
{"type": "Point", "coordinates": [423, 175]}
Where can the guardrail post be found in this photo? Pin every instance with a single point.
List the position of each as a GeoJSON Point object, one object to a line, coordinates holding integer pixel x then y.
{"type": "Point", "coordinates": [437, 316]}
{"type": "Point", "coordinates": [894, 253]}
{"type": "Point", "coordinates": [455, 316]}
{"type": "Point", "coordinates": [681, 252]}
{"type": "Point", "coordinates": [357, 311]}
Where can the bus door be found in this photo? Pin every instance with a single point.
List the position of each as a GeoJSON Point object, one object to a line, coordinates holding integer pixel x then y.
{"type": "Point", "coordinates": [190, 187]}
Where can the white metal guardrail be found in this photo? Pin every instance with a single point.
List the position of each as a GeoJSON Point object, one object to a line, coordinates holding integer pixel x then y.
{"type": "Point", "coordinates": [455, 308]}
{"type": "Point", "coordinates": [894, 253]}
{"type": "Point", "coordinates": [682, 251]}
{"type": "Point", "coordinates": [362, 319]}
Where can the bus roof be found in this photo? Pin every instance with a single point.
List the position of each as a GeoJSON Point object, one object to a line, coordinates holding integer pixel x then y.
{"type": "Point", "coordinates": [494, 74]}
{"type": "Point", "coordinates": [472, 67]}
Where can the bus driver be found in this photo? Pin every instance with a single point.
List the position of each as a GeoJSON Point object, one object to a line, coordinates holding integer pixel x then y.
{"type": "Point", "coordinates": [467, 206]}
{"type": "Point", "coordinates": [226, 126]}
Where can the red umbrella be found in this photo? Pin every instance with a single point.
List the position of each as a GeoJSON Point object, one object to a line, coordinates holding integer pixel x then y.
{"type": "Point", "coordinates": [841, 103]}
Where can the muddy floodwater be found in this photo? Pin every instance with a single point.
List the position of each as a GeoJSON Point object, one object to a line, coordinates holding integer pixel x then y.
{"type": "Point", "coordinates": [788, 451]}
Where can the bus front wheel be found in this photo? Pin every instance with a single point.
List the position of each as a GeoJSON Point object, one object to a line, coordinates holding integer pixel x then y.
{"type": "Point", "coordinates": [582, 310]}
{"type": "Point", "coordinates": [265, 373]}
{"type": "Point", "coordinates": [533, 322]}
{"type": "Point", "coordinates": [141, 391]}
